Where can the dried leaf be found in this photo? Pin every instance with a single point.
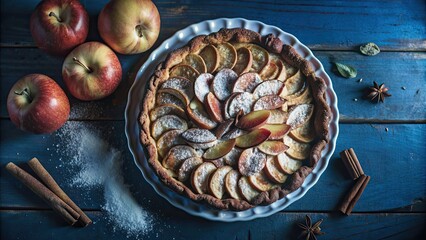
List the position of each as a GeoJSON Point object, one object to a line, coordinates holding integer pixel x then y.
{"type": "Point", "coordinates": [369, 49]}
{"type": "Point", "coordinates": [345, 70]}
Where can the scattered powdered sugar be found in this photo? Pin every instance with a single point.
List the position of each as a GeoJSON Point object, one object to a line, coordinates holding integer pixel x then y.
{"type": "Point", "coordinates": [269, 87]}
{"type": "Point", "coordinates": [94, 163]}
{"type": "Point", "coordinates": [202, 85]}
{"type": "Point", "coordinates": [268, 102]}
{"type": "Point", "coordinates": [198, 135]}
{"type": "Point", "coordinates": [299, 115]}
{"type": "Point", "coordinates": [254, 161]}
{"type": "Point", "coordinates": [181, 84]}
{"type": "Point", "coordinates": [223, 83]}
{"type": "Point", "coordinates": [247, 82]}
{"type": "Point", "coordinates": [243, 101]}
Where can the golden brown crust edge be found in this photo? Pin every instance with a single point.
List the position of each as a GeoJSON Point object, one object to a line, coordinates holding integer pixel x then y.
{"type": "Point", "coordinates": [275, 45]}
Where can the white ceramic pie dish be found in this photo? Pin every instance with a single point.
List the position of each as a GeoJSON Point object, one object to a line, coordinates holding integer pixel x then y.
{"type": "Point", "coordinates": [134, 105]}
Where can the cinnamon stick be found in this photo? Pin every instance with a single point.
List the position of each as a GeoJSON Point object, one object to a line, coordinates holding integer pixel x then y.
{"type": "Point", "coordinates": [354, 194]}
{"type": "Point", "coordinates": [48, 180]}
{"type": "Point", "coordinates": [69, 214]}
{"type": "Point", "coordinates": [351, 162]}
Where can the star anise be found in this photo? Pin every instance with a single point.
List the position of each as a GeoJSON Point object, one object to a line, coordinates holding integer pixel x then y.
{"type": "Point", "coordinates": [378, 92]}
{"type": "Point", "coordinates": [310, 230]}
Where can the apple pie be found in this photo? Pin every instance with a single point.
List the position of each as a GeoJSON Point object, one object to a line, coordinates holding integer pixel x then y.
{"type": "Point", "coordinates": [234, 119]}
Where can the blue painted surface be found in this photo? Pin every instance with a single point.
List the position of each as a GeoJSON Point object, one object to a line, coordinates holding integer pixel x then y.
{"type": "Point", "coordinates": [392, 206]}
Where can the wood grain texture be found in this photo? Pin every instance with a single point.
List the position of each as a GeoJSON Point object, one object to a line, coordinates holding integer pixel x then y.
{"type": "Point", "coordinates": [393, 25]}
{"type": "Point", "coordinates": [385, 193]}
{"type": "Point", "coordinates": [396, 69]}
{"type": "Point", "coordinates": [47, 225]}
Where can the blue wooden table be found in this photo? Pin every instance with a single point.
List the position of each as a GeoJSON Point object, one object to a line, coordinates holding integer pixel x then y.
{"type": "Point", "coordinates": [389, 138]}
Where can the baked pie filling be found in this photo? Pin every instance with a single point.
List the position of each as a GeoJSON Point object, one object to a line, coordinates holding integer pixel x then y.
{"type": "Point", "coordinates": [234, 119]}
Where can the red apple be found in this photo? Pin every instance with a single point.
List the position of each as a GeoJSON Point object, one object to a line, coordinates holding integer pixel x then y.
{"type": "Point", "coordinates": [129, 26]}
{"type": "Point", "coordinates": [57, 26]}
{"type": "Point", "coordinates": [36, 103]}
{"type": "Point", "coordinates": [91, 71]}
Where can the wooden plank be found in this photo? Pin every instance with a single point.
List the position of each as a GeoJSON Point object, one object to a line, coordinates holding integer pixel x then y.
{"type": "Point", "coordinates": [47, 225]}
{"type": "Point", "coordinates": [392, 159]}
{"type": "Point", "coordinates": [404, 105]}
{"type": "Point", "coordinates": [395, 25]}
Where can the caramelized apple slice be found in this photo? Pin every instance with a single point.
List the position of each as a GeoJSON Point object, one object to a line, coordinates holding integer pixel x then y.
{"type": "Point", "coordinates": [164, 98]}
{"type": "Point", "coordinates": [272, 148]}
{"type": "Point", "coordinates": [246, 190]}
{"type": "Point", "coordinates": [231, 184]}
{"type": "Point", "coordinates": [244, 61]}
{"type": "Point", "coordinates": [227, 56]}
{"type": "Point", "coordinates": [299, 115]}
{"type": "Point", "coordinates": [269, 87]}
{"type": "Point", "coordinates": [253, 120]}
{"type": "Point", "coordinates": [247, 82]}
{"type": "Point", "coordinates": [184, 71]}
{"type": "Point", "coordinates": [277, 130]}
{"type": "Point", "coordinates": [235, 133]}
{"type": "Point", "coordinates": [289, 69]}
{"type": "Point", "coordinates": [200, 177]}
{"type": "Point", "coordinates": [297, 150]}
{"type": "Point", "coordinates": [166, 123]}
{"type": "Point", "coordinates": [233, 156]}
{"type": "Point", "coordinates": [268, 102]}
{"type": "Point", "coordinates": [300, 98]}
{"type": "Point", "coordinates": [187, 167]}
{"type": "Point", "coordinates": [251, 161]}
{"type": "Point", "coordinates": [176, 93]}
{"type": "Point", "coordinates": [168, 140]}
{"type": "Point", "coordinates": [288, 164]}
{"type": "Point", "coordinates": [196, 62]}
{"type": "Point", "coordinates": [270, 71]}
{"type": "Point", "coordinates": [277, 116]}
{"type": "Point", "coordinates": [166, 109]}
{"type": "Point", "coordinates": [183, 85]}
{"type": "Point", "coordinates": [199, 138]}
{"type": "Point", "coordinates": [223, 128]}
{"type": "Point", "coordinates": [253, 138]}
{"type": "Point", "coordinates": [273, 172]}
{"type": "Point", "coordinates": [210, 56]}
{"type": "Point", "coordinates": [177, 155]}
{"type": "Point", "coordinates": [199, 116]}
{"type": "Point", "coordinates": [223, 82]}
{"type": "Point", "coordinates": [295, 83]}
{"type": "Point", "coordinates": [219, 150]}
{"type": "Point", "coordinates": [260, 57]}
{"type": "Point", "coordinates": [217, 181]}
{"type": "Point", "coordinates": [242, 101]}
{"type": "Point", "coordinates": [260, 182]}
{"type": "Point", "coordinates": [276, 59]}
{"type": "Point", "coordinates": [202, 86]}
{"type": "Point", "coordinates": [214, 107]}
{"type": "Point", "coordinates": [304, 133]}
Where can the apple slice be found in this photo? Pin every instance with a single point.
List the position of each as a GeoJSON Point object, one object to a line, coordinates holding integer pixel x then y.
{"type": "Point", "coordinates": [297, 150]}
{"type": "Point", "coordinates": [253, 138]}
{"type": "Point", "coordinates": [299, 115]}
{"type": "Point", "coordinates": [219, 150]}
{"type": "Point", "coordinates": [213, 107]}
{"type": "Point", "coordinates": [200, 177]}
{"type": "Point", "coordinates": [227, 102]}
{"type": "Point", "coordinates": [166, 109]}
{"type": "Point", "coordinates": [168, 140]}
{"type": "Point", "coordinates": [289, 69]}
{"type": "Point", "coordinates": [223, 82]}
{"type": "Point", "coordinates": [273, 171]}
{"type": "Point", "coordinates": [277, 130]}
{"type": "Point", "coordinates": [288, 164]}
{"type": "Point", "coordinates": [282, 74]}
{"type": "Point", "coordinates": [199, 138]}
{"type": "Point", "coordinates": [199, 116]}
{"type": "Point", "coordinates": [196, 62]}
{"type": "Point", "coordinates": [184, 71]}
{"type": "Point", "coordinates": [163, 98]}
{"type": "Point", "coordinates": [244, 61]}
{"type": "Point", "coordinates": [235, 133]}
{"type": "Point", "coordinates": [269, 87]}
{"type": "Point", "coordinates": [272, 148]}
{"type": "Point", "coordinates": [304, 133]}
{"type": "Point", "coordinates": [242, 101]}
{"type": "Point", "coordinates": [166, 123]}
{"type": "Point", "coordinates": [253, 120]}
{"type": "Point", "coordinates": [223, 128]}
{"type": "Point", "coordinates": [295, 83]}
{"type": "Point", "coordinates": [251, 161]}
{"type": "Point", "coordinates": [277, 116]}
{"type": "Point", "coordinates": [233, 156]}
{"type": "Point", "coordinates": [177, 155]}
{"type": "Point", "coordinates": [187, 167]}
{"type": "Point", "coordinates": [176, 93]}
{"type": "Point", "coordinates": [227, 55]}
{"type": "Point", "coordinates": [183, 85]}
{"type": "Point", "coordinates": [300, 98]}
{"type": "Point", "coordinates": [260, 182]}
{"type": "Point", "coordinates": [270, 71]}
{"type": "Point", "coordinates": [246, 190]}
{"type": "Point", "coordinates": [210, 56]}
{"type": "Point", "coordinates": [202, 86]}
{"type": "Point", "coordinates": [260, 57]}
{"type": "Point", "coordinates": [231, 184]}
{"type": "Point", "coordinates": [247, 82]}
{"type": "Point", "coordinates": [220, 162]}
{"type": "Point", "coordinates": [268, 102]}
{"type": "Point", "coordinates": [217, 181]}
